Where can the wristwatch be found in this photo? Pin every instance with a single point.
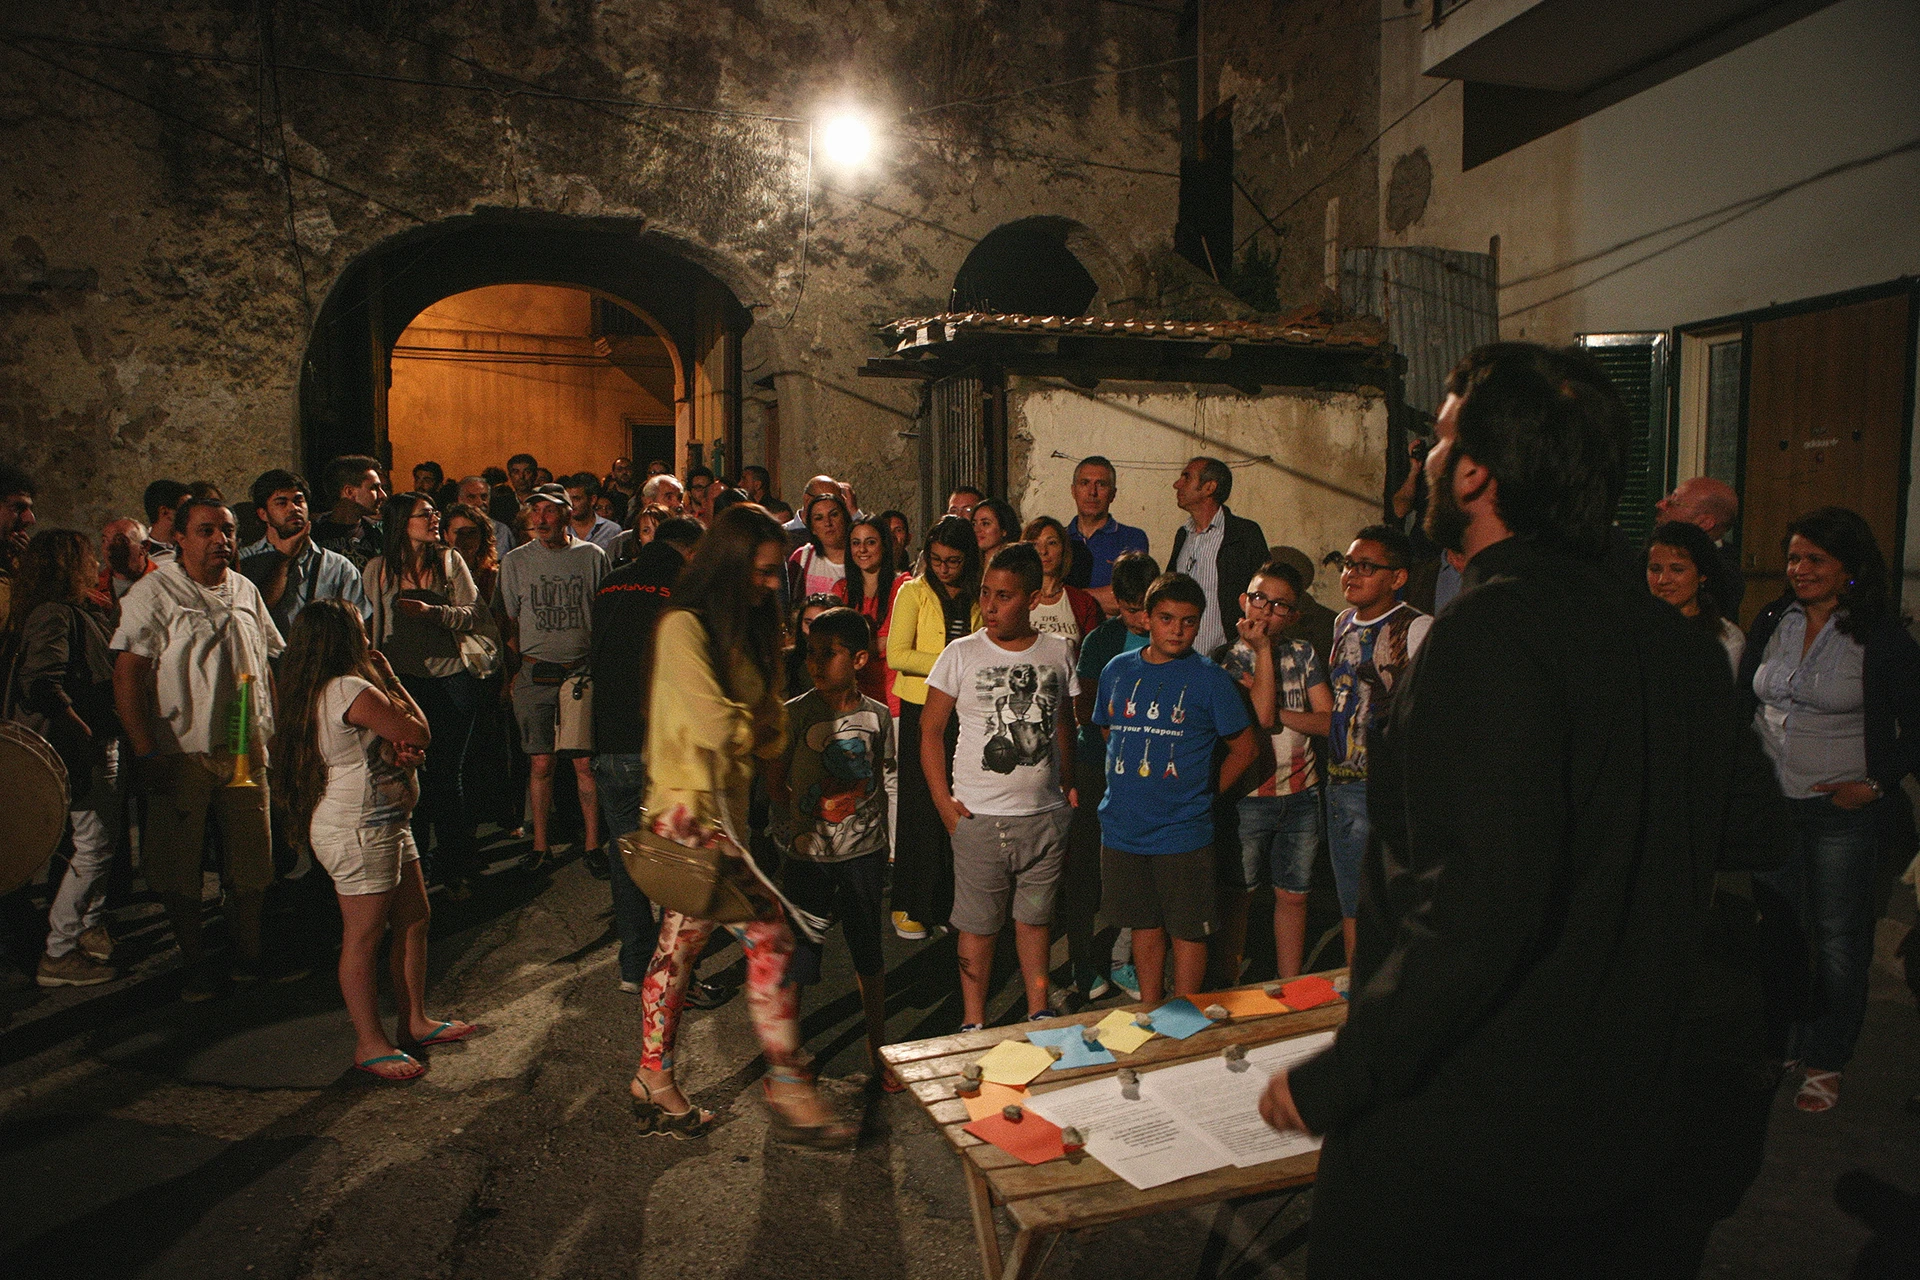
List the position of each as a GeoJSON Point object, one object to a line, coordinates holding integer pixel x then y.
{"type": "Point", "coordinates": [1875, 786]}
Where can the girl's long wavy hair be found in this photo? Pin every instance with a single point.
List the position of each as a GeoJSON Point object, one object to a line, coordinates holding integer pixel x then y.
{"type": "Point", "coordinates": [50, 572]}
{"type": "Point", "coordinates": [955, 534]}
{"type": "Point", "coordinates": [717, 587]}
{"type": "Point", "coordinates": [326, 641]}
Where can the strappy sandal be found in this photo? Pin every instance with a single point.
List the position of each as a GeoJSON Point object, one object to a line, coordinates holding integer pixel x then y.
{"type": "Point", "coordinates": [833, 1134]}
{"type": "Point", "coordinates": [653, 1118]}
{"type": "Point", "coordinates": [1820, 1091]}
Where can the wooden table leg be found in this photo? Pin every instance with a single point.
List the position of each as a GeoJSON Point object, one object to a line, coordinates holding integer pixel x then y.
{"type": "Point", "coordinates": [1029, 1252]}
{"type": "Point", "coordinates": [984, 1234]}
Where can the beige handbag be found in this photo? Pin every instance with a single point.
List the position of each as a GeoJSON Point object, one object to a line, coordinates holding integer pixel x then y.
{"type": "Point", "coordinates": [573, 730]}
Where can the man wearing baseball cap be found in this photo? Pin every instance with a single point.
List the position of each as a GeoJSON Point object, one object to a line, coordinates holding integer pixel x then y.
{"type": "Point", "coordinates": [546, 599]}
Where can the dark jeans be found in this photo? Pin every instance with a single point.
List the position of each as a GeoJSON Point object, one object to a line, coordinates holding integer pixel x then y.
{"type": "Point", "coordinates": [922, 851]}
{"type": "Point", "coordinates": [1829, 881]}
{"type": "Point", "coordinates": [622, 779]}
{"type": "Point", "coordinates": [450, 703]}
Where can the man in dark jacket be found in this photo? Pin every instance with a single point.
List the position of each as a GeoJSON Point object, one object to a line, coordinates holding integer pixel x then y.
{"type": "Point", "coordinates": [1216, 548]}
{"type": "Point", "coordinates": [1552, 1064]}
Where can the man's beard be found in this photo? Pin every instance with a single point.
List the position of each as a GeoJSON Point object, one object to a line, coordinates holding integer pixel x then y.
{"type": "Point", "coordinates": [1446, 521]}
{"type": "Point", "coordinates": [289, 529]}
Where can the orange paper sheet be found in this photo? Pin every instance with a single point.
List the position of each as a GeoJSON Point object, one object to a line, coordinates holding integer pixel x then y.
{"type": "Point", "coordinates": [991, 1098]}
{"type": "Point", "coordinates": [1241, 1004]}
{"type": "Point", "coordinates": [1305, 993]}
{"type": "Point", "coordinates": [1032, 1139]}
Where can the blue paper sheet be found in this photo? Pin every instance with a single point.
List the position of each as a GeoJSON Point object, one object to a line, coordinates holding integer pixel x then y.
{"type": "Point", "coordinates": [1177, 1019]}
{"type": "Point", "coordinates": [1074, 1051]}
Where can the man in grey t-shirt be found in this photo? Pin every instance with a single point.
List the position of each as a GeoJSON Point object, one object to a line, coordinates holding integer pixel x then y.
{"type": "Point", "coordinates": [546, 600]}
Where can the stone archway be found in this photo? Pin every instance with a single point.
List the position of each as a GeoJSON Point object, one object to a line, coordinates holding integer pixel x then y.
{"type": "Point", "coordinates": [1043, 265]}
{"type": "Point", "coordinates": [348, 366]}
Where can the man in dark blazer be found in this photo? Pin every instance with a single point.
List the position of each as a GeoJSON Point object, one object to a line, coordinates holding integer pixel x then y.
{"type": "Point", "coordinates": [1216, 548]}
{"type": "Point", "coordinates": [1554, 1060]}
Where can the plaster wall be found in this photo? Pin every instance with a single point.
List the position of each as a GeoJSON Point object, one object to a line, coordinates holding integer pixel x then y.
{"type": "Point", "coordinates": [1633, 219]}
{"type": "Point", "coordinates": [1308, 465]}
{"type": "Point", "coordinates": [159, 268]}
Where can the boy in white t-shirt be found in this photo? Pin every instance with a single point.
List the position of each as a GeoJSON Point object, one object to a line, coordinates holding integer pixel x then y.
{"type": "Point", "coordinates": [1012, 797]}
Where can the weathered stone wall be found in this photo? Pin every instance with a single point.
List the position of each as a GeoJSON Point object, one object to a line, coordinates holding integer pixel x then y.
{"type": "Point", "coordinates": [159, 271]}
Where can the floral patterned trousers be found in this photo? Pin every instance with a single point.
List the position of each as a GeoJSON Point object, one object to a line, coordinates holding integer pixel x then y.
{"type": "Point", "coordinates": [772, 1002]}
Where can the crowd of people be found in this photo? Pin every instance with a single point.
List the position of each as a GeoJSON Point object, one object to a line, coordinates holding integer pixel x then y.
{"type": "Point", "coordinates": [1031, 719]}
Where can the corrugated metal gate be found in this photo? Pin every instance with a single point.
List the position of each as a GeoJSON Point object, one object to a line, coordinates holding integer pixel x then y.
{"type": "Point", "coordinates": [1438, 304]}
{"type": "Point", "coordinates": [962, 445]}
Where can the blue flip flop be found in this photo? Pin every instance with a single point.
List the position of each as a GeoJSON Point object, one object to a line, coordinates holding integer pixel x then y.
{"type": "Point", "coordinates": [419, 1070]}
{"type": "Point", "coordinates": [435, 1037]}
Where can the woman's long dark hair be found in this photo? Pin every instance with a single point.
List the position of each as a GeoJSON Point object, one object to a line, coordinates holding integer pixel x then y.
{"type": "Point", "coordinates": [325, 642]}
{"type": "Point", "coordinates": [1865, 601]}
{"type": "Point", "coordinates": [1693, 540]}
{"type": "Point", "coordinates": [717, 587]}
{"type": "Point", "coordinates": [887, 569]}
{"type": "Point", "coordinates": [955, 534]}
{"type": "Point", "coordinates": [49, 573]}
{"type": "Point", "coordinates": [396, 514]}
{"type": "Point", "coordinates": [1003, 515]}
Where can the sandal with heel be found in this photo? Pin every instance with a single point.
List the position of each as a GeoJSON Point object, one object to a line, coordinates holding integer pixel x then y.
{"type": "Point", "coordinates": [1819, 1091]}
{"type": "Point", "coordinates": [833, 1134]}
{"type": "Point", "coordinates": [653, 1118]}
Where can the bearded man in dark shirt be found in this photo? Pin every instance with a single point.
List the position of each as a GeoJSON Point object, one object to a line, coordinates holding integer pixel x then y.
{"type": "Point", "coordinates": [1554, 1059]}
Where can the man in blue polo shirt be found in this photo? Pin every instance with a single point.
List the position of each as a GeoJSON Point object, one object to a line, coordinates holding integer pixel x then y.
{"type": "Point", "coordinates": [1098, 539]}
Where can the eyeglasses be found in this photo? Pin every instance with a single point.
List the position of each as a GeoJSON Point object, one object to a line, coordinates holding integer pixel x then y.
{"type": "Point", "coordinates": [428, 514]}
{"type": "Point", "coordinates": [1257, 601]}
{"type": "Point", "coordinates": [1365, 568]}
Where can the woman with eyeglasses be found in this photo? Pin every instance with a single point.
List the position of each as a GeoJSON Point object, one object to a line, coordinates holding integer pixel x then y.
{"type": "Point", "coordinates": [939, 605]}
{"type": "Point", "coordinates": [424, 599]}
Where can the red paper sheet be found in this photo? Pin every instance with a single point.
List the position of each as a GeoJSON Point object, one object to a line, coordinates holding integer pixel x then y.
{"type": "Point", "coordinates": [1031, 1138]}
{"type": "Point", "coordinates": [1305, 993]}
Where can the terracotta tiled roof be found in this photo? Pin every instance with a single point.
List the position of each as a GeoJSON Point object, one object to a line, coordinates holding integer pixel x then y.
{"type": "Point", "coordinates": [1306, 326]}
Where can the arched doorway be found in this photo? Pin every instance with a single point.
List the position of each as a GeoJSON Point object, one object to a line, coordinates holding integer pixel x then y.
{"type": "Point", "coordinates": [641, 290]}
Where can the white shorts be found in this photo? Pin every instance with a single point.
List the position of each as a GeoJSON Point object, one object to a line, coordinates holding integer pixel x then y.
{"type": "Point", "coordinates": [366, 860]}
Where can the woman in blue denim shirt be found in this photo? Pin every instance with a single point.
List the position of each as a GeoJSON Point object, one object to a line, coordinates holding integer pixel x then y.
{"type": "Point", "coordinates": [1837, 679]}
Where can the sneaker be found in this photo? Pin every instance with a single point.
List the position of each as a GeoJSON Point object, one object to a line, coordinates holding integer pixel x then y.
{"type": "Point", "coordinates": [631, 988]}
{"type": "Point", "coordinates": [972, 1026]}
{"type": "Point", "coordinates": [1041, 1015]}
{"type": "Point", "coordinates": [1126, 979]}
{"type": "Point", "coordinates": [98, 943]}
{"type": "Point", "coordinates": [596, 860]}
{"type": "Point", "coordinates": [1094, 984]}
{"type": "Point", "coordinates": [74, 969]}
{"type": "Point", "coordinates": [910, 929]}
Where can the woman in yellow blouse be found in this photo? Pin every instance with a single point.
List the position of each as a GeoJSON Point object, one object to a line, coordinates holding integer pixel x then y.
{"type": "Point", "coordinates": [938, 605]}
{"type": "Point", "coordinates": [713, 714]}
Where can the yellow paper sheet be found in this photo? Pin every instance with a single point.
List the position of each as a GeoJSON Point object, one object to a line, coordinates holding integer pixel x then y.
{"type": "Point", "coordinates": [1118, 1033]}
{"type": "Point", "coordinates": [993, 1099]}
{"type": "Point", "coordinates": [1014, 1062]}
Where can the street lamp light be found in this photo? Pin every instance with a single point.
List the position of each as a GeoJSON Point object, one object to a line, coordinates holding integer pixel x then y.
{"type": "Point", "coordinates": [847, 139]}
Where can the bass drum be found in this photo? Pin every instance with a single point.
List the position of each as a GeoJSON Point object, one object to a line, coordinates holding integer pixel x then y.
{"type": "Point", "coordinates": [34, 817]}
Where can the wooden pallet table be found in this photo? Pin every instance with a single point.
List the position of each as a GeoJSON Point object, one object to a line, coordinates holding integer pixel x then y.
{"type": "Point", "coordinates": [1078, 1191]}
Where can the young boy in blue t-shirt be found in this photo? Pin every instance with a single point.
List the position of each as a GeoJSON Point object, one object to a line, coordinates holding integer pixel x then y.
{"type": "Point", "coordinates": [1164, 709]}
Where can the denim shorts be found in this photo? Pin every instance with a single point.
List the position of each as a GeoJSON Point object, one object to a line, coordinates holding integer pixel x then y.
{"type": "Point", "coordinates": [1279, 839]}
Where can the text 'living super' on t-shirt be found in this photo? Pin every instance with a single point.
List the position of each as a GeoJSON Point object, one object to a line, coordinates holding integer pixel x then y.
{"type": "Point", "coordinates": [1008, 703]}
{"type": "Point", "coordinates": [1163, 720]}
{"type": "Point", "coordinates": [549, 596]}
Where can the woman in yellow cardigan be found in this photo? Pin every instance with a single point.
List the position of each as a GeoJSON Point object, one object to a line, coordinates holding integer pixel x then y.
{"type": "Point", "coordinates": [938, 605]}
{"type": "Point", "coordinates": [713, 714]}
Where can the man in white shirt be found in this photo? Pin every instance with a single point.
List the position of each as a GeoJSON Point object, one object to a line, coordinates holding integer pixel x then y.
{"type": "Point", "coordinates": [189, 631]}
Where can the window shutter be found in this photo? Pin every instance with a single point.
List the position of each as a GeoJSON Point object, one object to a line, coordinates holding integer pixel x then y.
{"type": "Point", "coordinates": [1637, 363]}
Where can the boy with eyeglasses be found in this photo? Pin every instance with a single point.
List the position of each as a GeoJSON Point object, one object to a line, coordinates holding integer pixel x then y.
{"type": "Point", "coordinates": [1374, 639]}
{"type": "Point", "coordinates": [1280, 821]}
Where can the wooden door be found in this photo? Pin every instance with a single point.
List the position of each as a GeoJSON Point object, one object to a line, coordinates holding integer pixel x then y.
{"type": "Point", "coordinates": [1826, 406]}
